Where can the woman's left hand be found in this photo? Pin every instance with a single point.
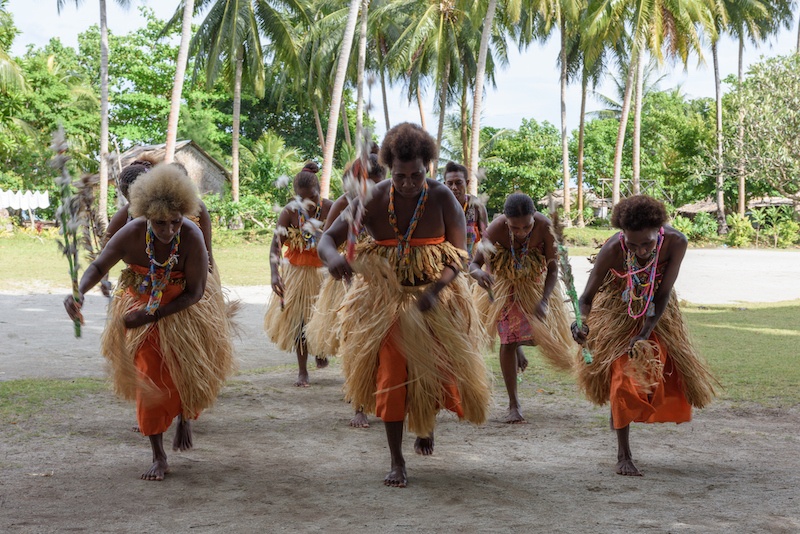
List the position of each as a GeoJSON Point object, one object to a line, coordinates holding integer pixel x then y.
{"type": "Point", "coordinates": [427, 300]}
{"type": "Point", "coordinates": [138, 318]}
{"type": "Point", "coordinates": [635, 339]}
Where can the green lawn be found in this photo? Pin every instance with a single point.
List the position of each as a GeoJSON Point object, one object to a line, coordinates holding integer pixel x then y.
{"type": "Point", "coordinates": [750, 348]}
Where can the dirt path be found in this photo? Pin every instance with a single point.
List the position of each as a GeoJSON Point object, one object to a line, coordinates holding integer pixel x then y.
{"type": "Point", "coordinates": [270, 457]}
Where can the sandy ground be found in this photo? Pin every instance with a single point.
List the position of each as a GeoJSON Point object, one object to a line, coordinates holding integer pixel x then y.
{"type": "Point", "coordinates": [270, 457]}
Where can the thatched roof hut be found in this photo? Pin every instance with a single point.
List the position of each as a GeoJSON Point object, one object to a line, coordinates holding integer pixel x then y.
{"type": "Point", "coordinates": [207, 173]}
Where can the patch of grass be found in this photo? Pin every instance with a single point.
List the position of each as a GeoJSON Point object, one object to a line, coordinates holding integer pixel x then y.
{"type": "Point", "coordinates": [20, 399]}
{"type": "Point", "coordinates": [752, 349]}
{"type": "Point", "coordinates": [243, 264]}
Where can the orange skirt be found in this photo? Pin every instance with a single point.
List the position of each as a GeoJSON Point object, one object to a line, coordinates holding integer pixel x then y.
{"type": "Point", "coordinates": [391, 380]}
{"type": "Point", "coordinates": [666, 404]}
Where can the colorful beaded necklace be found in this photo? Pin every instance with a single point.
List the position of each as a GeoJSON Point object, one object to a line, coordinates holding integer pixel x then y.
{"type": "Point", "coordinates": [308, 235]}
{"type": "Point", "coordinates": [404, 241]}
{"type": "Point", "coordinates": [151, 279]}
{"type": "Point", "coordinates": [522, 253]}
{"type": "Point", "coordinates": [641, 281]}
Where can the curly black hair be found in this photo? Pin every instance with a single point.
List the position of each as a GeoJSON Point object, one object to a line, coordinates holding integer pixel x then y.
{"type": "Point", "coordinates": [406, 142]}
{"type": "Point", "coordinates": [639, 212]}
{"type": "Point", "coordinates": [129, 174]}
{"type": "Point", "coordinates": [518, 205]}
{"type": "Point", "coordinates": [452, 166]}
{"type": "Point", "coordinates": [307, 178]}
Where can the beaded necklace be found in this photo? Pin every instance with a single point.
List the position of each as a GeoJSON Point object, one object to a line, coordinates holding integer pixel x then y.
{"type": "Point", "coordinates": [308, 235]}
{"type": "Point", "coordinates": [404, 241]}
{"type": "Point", "coordinates": [157, 284]}
{"type": "Point", "coordinates": [641, 281]}
{"type": "Point", "coordinates": [522, 253]}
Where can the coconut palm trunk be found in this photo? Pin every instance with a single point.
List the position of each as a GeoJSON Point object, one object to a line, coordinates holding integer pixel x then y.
{"type": "Point", "coordinates": [464, 125]}
{"type": "Point", "coordinates": [722, 228]}
{"type": "Point", "coordinates": [564, 138]}
{"type": "Point", "coordinates": [362, 60]}
{"type": "Point", "coordinates": [623, 124]}
{"type": "Point", "coordinates": [421, 108]}
{"type": "Point", "coordinates": [346, 125]}
{"type": "Point", "coordinates": [480, 73]}
{"type": "Point", "coordinates": [581, 132]}
{"type": "Point", "coordinates": [742, 207]}
{"type": "Point", "coordinates": [336, 97]}
{"type": "Point", "coordinates": [442, 110]}
{"type": "Point", "coordinates": [102, 203]}
{"type": "Point", "coordinates": [177, 86]}
{"type": "Point", "coordinates": [237, 109]}
{"type": "Point", "coordinates": [318, 123]}
{"type": "Point", "coordinates": [637, 125]}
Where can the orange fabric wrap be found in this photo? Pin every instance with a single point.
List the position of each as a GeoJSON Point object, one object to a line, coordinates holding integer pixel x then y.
{"type": "Point", "coordinates": [155, 413]}
{"type": "Point", "coordinates": [305, 258]}
{"type": "Point", "coordinates": [414, 241]}
{"type": "Point", "coordinates": [392, 376]}
{"type": "Point", "coordinates": [666, 404]}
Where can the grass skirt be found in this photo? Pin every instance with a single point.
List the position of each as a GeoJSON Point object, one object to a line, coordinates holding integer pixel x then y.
{"type": "Point", "coordinates": [324, 330]}
{"type": "Point", "coordinates": [196, 344]}
{"type": "Point", "coordinates": [440, 345]}
{"type": "Point", "coordinates": [526, 286]}
{"type": "Point", "coordinates": [284, 324]}
{"type": "Point", "coordinates": [610, 332]}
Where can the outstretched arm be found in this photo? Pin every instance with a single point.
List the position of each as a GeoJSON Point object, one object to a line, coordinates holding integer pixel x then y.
{"type": "Point", "coordinates": [552, 268]}
{"type": "Point", "coordinates": [278, 237]}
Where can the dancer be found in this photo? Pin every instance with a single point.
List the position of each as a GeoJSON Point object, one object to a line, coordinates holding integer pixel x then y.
{"type": "Point", "coordinates": [522, 300]}
{"type": "Point", "coordinates": [169, 348]}
{"type": "Point", "coordinates": [296, 283]}
{"type": "Point", "coordinates": [323, 331]}
{"type": "Point", "coordinates": [455, 178]}
{"type": "Point", "coordinates": [409, 328]}
{"type": "Point", "coordinates": [643, 360]}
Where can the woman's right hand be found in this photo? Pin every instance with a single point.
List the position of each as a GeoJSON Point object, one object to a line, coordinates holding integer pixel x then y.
{"type": "Point", "coordinates": [340, 269]}
{"type": "Point", "coordinates": [277, 286]}
{"type": "Point", "coordinates": [73, 307]}
{"type": "Point", "coordinates": [579, 334]}
{"type": "Point", "coordinates": [484, 279]}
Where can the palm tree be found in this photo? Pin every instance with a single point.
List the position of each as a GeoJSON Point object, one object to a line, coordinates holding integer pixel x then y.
{"type": "Point", "coordinates": [102, 204]}
{"type": "Point", "coordinates": [336, 97]}
{"type": "Point", "coordinates": [362, 60]}
{"type": "Point", "coordinates": [654, 25]}
{"type": "Point", "coordinates": [228, 43]}
{"type": "Point", "coordinates": [480, 72]}
{"type": "Point", "coordinates": [177, 86]}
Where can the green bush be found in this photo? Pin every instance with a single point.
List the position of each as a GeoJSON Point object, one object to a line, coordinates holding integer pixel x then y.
{"type": "Point", "coordinates": [587, 237]}
{"type": "Point", "coordinates": [683, 225]}
{"type": "Point", "coordinates": [740, 231]}
{"type": "Point", "coordinates": [784, 233]}
{"type": "Point", "coordinates": [704, 226]}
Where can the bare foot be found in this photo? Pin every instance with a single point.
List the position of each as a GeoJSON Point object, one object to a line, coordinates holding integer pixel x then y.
{"type": "Point", "coordinates": [626, 468]}
{"type": "Point", "coordinates": [322, 363]}
{"type": "Point", "coordinates": [359, 420]}
{"type": "Point", "coordinates": [156, 471]}
{"type": "Point", "coordinates": [514, 416]}
{"type": "Point", "coordinates": [424, 446]}
{"type": "Point", "coordinates": [183, 435]}
{"type": "Point", "coordinates": [396, 478]}
{"type": "Point", "coordinates": [302, 380]}
{"type": "Point", "coordinates": [135, 428]}
{"type": "Point", "coordinates": [522, 361]}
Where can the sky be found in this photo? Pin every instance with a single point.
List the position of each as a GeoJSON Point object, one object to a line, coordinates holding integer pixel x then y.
{"type": "Point", "coordinates": [528, 88]}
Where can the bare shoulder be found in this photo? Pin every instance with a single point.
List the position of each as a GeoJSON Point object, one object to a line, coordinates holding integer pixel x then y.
{"type": "Point", "coordinates": [437, 190]}
{"type": "Point", "coordinates": [496, 230]}
{"type": "Point", "coordinates": [676, 240]}
{"type": "Point", "coordinates": [541, 220]}
{"type": "Point", "coordinates": [610, 254]}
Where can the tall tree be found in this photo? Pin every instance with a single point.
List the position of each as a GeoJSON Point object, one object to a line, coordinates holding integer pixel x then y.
{"type": "Point", "coordinates": [177, 86]}
{"type": "Point", "coordinates": [654, 24]}
{"type": "Point", "coordinates": [228, 43]}
{"type": "Point", "coordinates": [488, 21]}
{"type": "Point", "coordinates": [336, 98]}
{"type": "Point", "coordinates": [102, 206]}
